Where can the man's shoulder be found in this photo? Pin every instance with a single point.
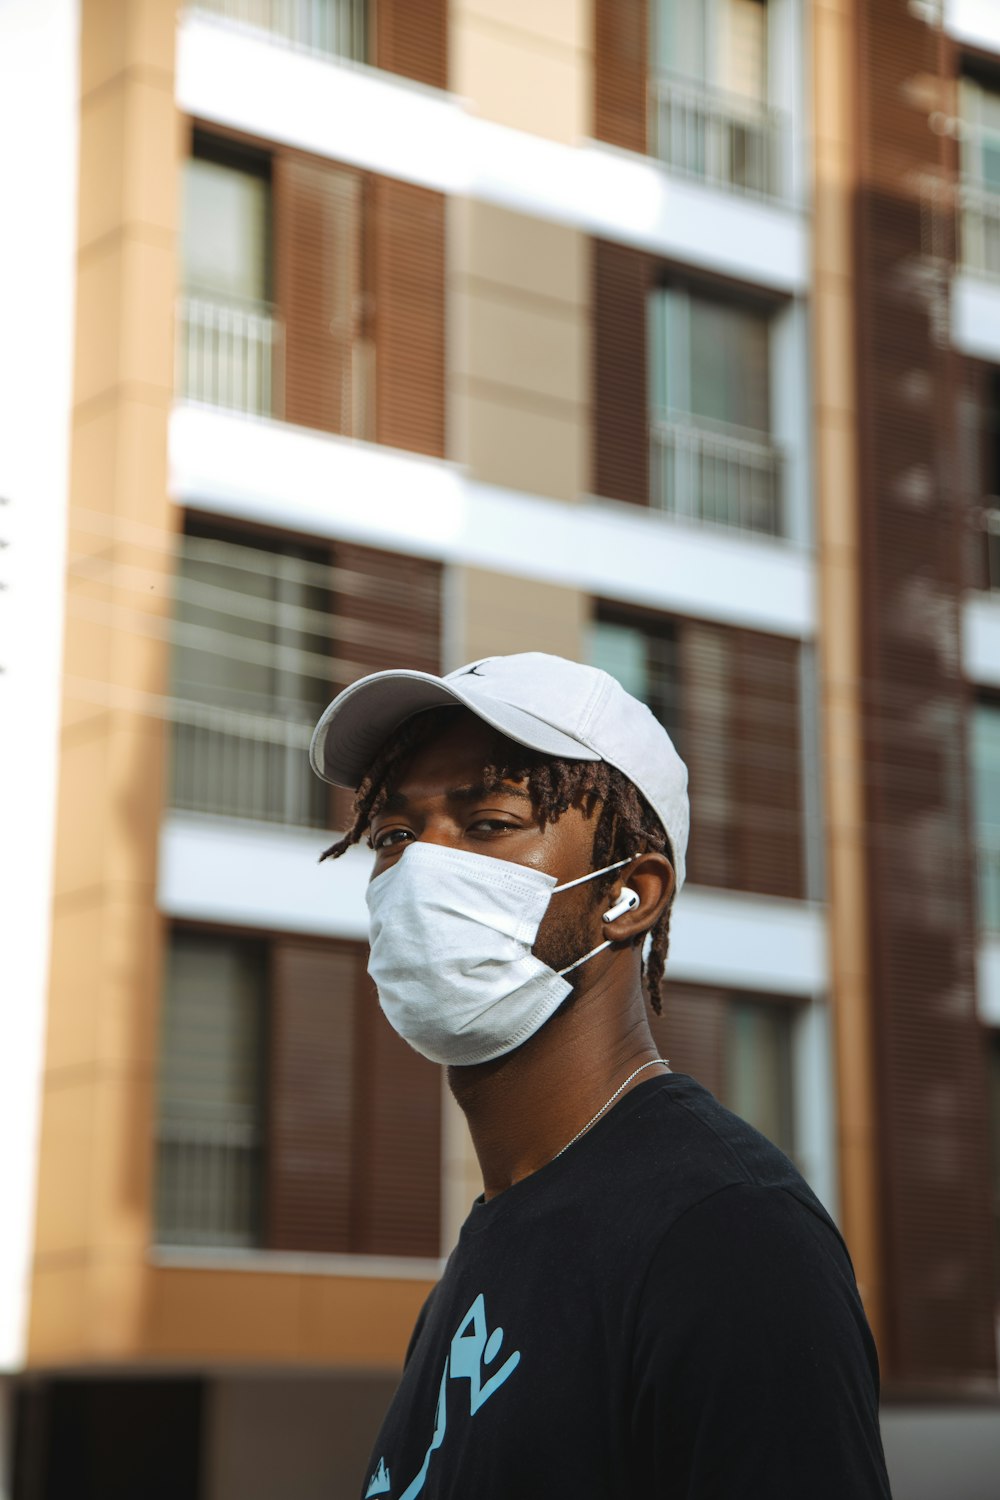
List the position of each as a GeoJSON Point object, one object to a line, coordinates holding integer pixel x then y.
{"type": "Point", "coordinates": [677, 1132]}
{"type": "Point", "coordinates": [677, 1146]}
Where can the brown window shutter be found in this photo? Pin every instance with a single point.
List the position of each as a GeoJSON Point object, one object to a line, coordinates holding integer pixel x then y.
{"type": "Point", "coordinates": [621, 53]}
{"type": "Point", "coordinates": [707, 746]}
{"type": "Point", "coordinates": [312, 1097]}
{"type": "Point", "coordinates": [977, 438]}
{"type": "Point", "coordinates": [691, 1032]}
{"type": "Point", "coordinates": [408, 233]}
{"type": "Point", "coordinates": [740, 735]}
{"type": "Point", "coordinates": [397, 1203]}
{"type": "Point", "coordinates": [412, 38]}
{"type": "Point", "coordinates": [622, 281]}
{"type": "Point", "coordinates": [388, 610]}
{"type": "Point", "coordinates": [319, 275]}
{"type": "Point", "coordinates": [767, 767]}
{"type": "Point", "coordinates": [354, 1148]}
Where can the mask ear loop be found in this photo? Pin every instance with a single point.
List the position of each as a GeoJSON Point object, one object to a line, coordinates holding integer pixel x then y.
{"type": "Point", "coordinates": [593, 874]}
{"type": "Point", "coordinates": [599, 949]}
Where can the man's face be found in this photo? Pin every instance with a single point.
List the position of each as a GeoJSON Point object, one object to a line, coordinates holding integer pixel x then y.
{"type": "Point", "coordinates": [440, 798]}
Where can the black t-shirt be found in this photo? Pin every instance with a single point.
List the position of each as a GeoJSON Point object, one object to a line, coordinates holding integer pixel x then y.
{"type": "Point", "coordinates": [663, 1311]}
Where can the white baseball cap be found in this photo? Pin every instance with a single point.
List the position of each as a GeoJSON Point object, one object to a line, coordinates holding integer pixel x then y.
{"type": "Point", "coordinates": [558, 707]}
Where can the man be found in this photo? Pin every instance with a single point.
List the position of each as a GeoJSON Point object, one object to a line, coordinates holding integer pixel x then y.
{"type": "Point", "coordinates": [647, 1300]}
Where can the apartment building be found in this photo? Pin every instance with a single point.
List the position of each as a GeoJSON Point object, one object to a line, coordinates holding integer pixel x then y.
{"type": "Point", "coordinates": [662, 335]}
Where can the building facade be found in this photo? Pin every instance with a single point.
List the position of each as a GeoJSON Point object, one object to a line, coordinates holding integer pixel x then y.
{"type": "Point", "coordinates": [362, 333]}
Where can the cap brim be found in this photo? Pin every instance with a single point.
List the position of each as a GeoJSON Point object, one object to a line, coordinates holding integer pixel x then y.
{"type": "Point", "coordinates": [360, 720]}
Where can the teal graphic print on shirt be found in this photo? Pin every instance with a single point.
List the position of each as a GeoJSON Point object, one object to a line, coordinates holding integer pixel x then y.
{"type": "Point", "coordinates": [473, 1349]}
{"type": "Point", "coordinates": [380, 1483]}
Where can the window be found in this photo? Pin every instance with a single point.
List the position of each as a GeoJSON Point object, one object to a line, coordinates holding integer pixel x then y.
{"type": "Point", "coordinates": [730, 701]}
{"type": "Point", "coordinates": [644, 659]}
{"type": "Point", "coordinates": [290, 1115]}
{"type": "Point", "coordinates": [228, 335]}
{"type": "Point", "coordinates": [712, 458]}
{"type": "Point", "coordinates": [409, 37]}
{"type": "Point", "coordinates": [709, 114]}
{"type": "Point", "coordinates": [226, 229]}
{"type": "Point", "coordinates": [266, 631]}
{"type": "Point", "coordinates": [253, 668]}
{"type": "Point", "coordinates": [333, 28]}
{"type": "Point", "coordinates": [715, 43]}
{"type": "Point", "coordinates": [992, 1038]}
{"type": "Point", "coordinates": [694, 403]}
{"type": "Point", "coordinates": [211, 1096]}
{"type": "Point", "coordinates": [740, 1046]}
{"type": "Point", "coordinates": [276, 317]}
{"type": "Point", "coordinates": [328, 313]}
{"type": "Point", "coordinates": [758, 1068]}
{"type": "Point", "coordinates": [978, 419]}
{"type": "Point", "coordinates": [979, 103]}
{"type": "Point", "coordinates": [985, 747]}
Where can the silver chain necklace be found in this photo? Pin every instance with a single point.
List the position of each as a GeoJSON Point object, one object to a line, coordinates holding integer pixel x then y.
{"type": "Point", "coordinates": [655, 1062]}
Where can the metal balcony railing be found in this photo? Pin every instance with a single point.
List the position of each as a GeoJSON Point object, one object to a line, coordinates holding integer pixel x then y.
{"type": "Point", "coordinates": [984, 520]}
{"type": "Point", "coordinates": [334, 28]}
{"type": "Point", "coordinates": [702, 474]}
{"type": "Point", "coordinates": [208, 1178]}
{"type": "Point", "coordinates": [229, 354]}
{"type": "Point", "coordinates": [718, 138]}
{"type": "Point", "coordinates": [991, 529]}
{"type": "Point", "coordinates": [979, 211]}
{"type": "Point", "coordinates": [988, 877]}
{"type": "Point", "coordinates": [245, 765]}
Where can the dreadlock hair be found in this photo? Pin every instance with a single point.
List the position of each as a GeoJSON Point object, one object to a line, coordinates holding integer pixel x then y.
{"type": "Point", "coordinates": [626, 824]}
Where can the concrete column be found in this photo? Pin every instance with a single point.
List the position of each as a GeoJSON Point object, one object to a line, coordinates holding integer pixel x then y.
{"type": "Point", "coordinates": [835, 427]}
{"type": "Point", "coordinates": [95, 1171]}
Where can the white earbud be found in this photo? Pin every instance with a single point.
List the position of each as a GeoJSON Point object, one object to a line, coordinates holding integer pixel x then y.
{"type": "Point", "coordinates": [627, 901]}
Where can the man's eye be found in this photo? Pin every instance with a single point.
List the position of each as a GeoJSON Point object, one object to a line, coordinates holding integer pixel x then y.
{"type": "Point", "coordinates": [491, 825]}
{"type": "Point", "coordinates": [390, 836]}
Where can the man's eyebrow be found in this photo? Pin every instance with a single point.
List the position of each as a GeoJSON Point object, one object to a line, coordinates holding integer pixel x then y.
{"type": "Point", "coordinates": [397, 802]}
{"type": "Point", "coordinates": [477, 790]}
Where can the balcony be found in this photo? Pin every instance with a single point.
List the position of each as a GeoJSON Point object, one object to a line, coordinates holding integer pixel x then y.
{"type": "Point", "coordinates": [331, 28]}
{"type": "Point", "coordinates": [716, 476]}
{"type": "Point", "coordinates": [988, 877]}
{"type": "Point", "coordinates": [718, 138]}
{"type": "Point", "coordinates": [244, 765]}
{"type": "Point", "coordinates": [229, 355]}
{"type": "Point", "coordinates": [984, 552]}
{"type": "Point", "coordinates": [208, 1177]}
{"type": "Point", "coordinates": [991, 546]}
{"type": "Point", "coordinates": [980, 229]}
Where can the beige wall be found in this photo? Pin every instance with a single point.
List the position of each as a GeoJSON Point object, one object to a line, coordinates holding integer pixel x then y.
{"type": "Point", "coordinates": [121, 1310]}
{"type": "Point", "coordinates": [95, 1157]}
{"type": "Point", "coordinates": [495, 613]}
{"type": "Point", "coordinates": [95, 1295]}
{"type": "Point", "coordinates": [835, 418]}
{"type": "Point", "coordinates": [525, 64]}
{"type": "Point", "coordinates": [519, 350]}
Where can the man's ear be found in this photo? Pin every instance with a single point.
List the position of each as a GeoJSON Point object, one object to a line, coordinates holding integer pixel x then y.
{"type": "Point", "coordinates": [651, 877]}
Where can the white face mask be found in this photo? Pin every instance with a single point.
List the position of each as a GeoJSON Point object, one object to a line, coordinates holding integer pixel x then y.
{"type": "Point", "coordinates": [451, 936]}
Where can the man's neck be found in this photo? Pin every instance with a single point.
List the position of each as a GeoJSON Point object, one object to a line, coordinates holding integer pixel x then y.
{"type": "Point", "coordinates": [524, 1108]}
